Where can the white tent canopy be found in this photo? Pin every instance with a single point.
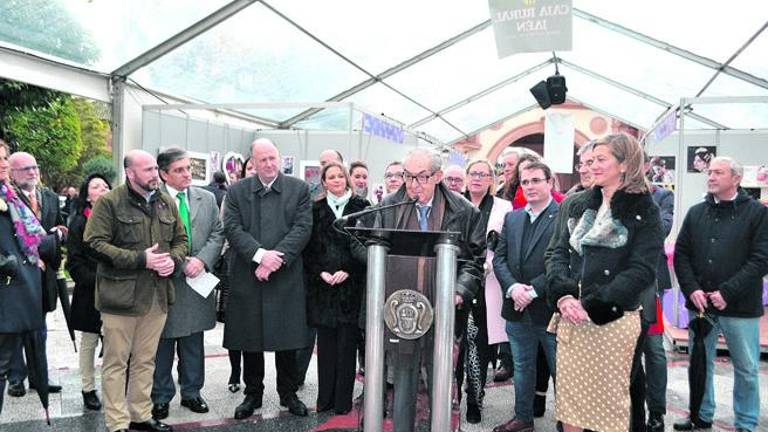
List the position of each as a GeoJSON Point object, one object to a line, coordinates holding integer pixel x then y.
{"type": "Point", "coordinates": [429, 64]}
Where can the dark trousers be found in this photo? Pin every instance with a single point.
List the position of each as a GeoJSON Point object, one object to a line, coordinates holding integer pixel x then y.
{"type": "Point", "coordinates": [336, 366]}
{"type": "Point", "coordinates": [191, 368]}
{"type": "Point", "coordinates": [9, 344]}
{"type": "Point", "coordinates": [304, 356]}
{"type": "Point", "coordinates": [637, 383]}
{"type": "Point", "coordinates": [18, 371]}
{"type": "Point", "coordinates": [234, 365]}
{"type": "Point", "coordinates": [285, 364]}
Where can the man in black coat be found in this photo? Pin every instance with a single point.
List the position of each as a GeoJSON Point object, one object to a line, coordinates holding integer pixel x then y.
{"type": "Point", "coordinates": [721, 256]}
{"type": "Point", "coordinates": [268, 222]}
{"type": "Point", "coordinates": [519, 266]}
{"type": "Point", "coordinates": [436, 209]}
{"type": "Point", "coordinates": [44, 203]}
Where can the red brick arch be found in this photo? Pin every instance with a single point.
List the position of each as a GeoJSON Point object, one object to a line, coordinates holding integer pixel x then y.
{"type": "Point", "coordinates": [523, 131]}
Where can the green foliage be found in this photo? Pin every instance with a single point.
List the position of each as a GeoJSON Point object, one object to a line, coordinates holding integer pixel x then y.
{"type": "Point", "coordinates": [102, 165]}
{"type": "Point", "coordinates": [46, 26]}
{"type": "Point", "coordinates": [94, 130]}
{"type": "Point", "coordinates": [52, 134]}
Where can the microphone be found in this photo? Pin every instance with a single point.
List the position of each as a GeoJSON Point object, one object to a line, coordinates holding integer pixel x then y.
{"type": "Point", "coordinates": [340, 222]}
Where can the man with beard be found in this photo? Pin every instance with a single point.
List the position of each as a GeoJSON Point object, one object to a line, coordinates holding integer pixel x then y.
{"type": "Point", "coordinates": [138, 230]}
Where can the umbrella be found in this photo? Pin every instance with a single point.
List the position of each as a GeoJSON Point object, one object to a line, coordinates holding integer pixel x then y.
{"type": "Point", "coordinates": [34, 347]}
{"type": "Point", "coordinates": [66, 306]}
{"type": "Point", "coordinates": [697, 369]}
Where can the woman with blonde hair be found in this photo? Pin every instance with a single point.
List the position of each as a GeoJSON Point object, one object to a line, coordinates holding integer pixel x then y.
{"type": "Point", "coordinates": [604, 260]}
{"type": "Point", "coordinates": [485, 327]}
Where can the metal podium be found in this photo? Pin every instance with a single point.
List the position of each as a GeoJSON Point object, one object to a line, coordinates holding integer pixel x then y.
{"type": "Point", "coordinates": [407, 314]}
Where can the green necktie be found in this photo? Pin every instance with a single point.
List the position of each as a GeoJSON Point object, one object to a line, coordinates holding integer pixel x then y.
{"type": "Point", "coordinates": [184, 213]}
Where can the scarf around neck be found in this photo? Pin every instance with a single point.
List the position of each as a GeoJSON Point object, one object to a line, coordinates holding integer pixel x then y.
{"type": "Point", "coordinates": [337, 204]}
{"type": "Point", "coordinates": [29, 232]}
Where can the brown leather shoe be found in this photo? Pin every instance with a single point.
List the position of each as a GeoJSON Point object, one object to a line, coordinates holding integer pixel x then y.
{"type": "Point", "coordinates": [514, 425]}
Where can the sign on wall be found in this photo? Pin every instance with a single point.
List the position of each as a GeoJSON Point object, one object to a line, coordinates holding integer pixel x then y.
{"type": "Point", "coordinates": [531, 25]}
{"type": "Point", "coordinates": [559, 132]}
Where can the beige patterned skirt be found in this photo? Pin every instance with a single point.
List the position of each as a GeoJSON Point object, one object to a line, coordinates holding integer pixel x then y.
{"type": "Point", "coordinates": [593, 367]}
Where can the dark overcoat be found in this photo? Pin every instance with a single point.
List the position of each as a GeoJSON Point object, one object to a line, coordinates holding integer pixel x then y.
{"type": "Point", "coordinates": [81, 264]}
{"type": "Point", "coordinates": [21, 304]}
{"type": "Point", "coordinates": [270, 315]}
{"type": "Point", "coordinates": [330, 251]}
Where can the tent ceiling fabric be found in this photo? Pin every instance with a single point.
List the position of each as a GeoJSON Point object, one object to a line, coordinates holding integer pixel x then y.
{"type": "Point", "coordinates": [423, 62]}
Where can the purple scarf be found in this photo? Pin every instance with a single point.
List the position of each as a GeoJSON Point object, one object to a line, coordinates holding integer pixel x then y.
{"type": "Point", "coordinates": [29, 232]}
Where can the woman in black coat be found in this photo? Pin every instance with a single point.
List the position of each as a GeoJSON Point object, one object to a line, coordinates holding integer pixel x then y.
{"type": "Point", "coordinates": [335, 285]}
{"type": "Point", "coordinates": [81, 265]}
{"type": "Point", "coordinates": [604, 261]}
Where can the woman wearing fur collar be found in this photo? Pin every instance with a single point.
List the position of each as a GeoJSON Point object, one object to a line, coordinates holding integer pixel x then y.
{"type": "Point", "coordinates": [604, 260]}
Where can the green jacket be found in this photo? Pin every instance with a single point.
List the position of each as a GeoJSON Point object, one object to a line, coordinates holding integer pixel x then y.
{"type": "Point", "coordinates": [121, 227]}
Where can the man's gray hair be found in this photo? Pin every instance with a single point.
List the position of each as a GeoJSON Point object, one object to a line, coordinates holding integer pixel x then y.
{"type": "Point", "coordinates": [169, 156]}
{"type": "Point", "coordinates": [519, 151]}
{"type": "Point", "coordinates": [588, 147]}
{"type": "Point", "coordinates": [436, 161]}
{"type": "Point", "coordinates": [737, 168]}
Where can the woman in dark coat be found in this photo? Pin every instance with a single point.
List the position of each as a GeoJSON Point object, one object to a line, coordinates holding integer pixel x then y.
{"type": "Point", "coordinates": [335, 285]}
{"type": "Point", "coordinates": [604, 261]}
{"type": "Point", "coordinates": [22, 241]}
{"type": "Point", "coordinates": [81, 265]}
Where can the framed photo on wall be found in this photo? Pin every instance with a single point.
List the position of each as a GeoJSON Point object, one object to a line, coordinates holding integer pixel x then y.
{"type": "Point", "coordinates": [288, 165]}
{"type": "Point", "coordinates": [662, 170]}
{"type": "Point", "coordinates": [310, 172]}
{"type": "Point", "coordinates": [201, 173]}
{"type": "Point", "coordinates": [699, 158]}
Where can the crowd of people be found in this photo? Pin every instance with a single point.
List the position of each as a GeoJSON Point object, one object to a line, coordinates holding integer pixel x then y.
{"type": "Point", "coordinates": [549, 285]}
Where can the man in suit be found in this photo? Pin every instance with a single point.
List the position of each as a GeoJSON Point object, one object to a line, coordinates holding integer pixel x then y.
{"type": "Point", "coordinates": [44, 203]}
{"type": "Point", "coordinates": [519, 266]}
{"type": "Point", "coordinates": [268, 222]}
{"type": "Point", "coordinates": [436, 209]}
{"type": "Point", "coordinates": [191, 314]}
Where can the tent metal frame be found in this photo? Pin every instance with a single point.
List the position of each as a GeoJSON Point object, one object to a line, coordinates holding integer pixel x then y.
{"type": "Point", "coordinates": [80, 81]}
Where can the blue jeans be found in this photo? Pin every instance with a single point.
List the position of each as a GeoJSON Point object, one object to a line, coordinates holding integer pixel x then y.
{"type": "Point", "coordinates": [742, 336]}
{"type": "Point", "coordinates": [655, 374]}
{"type": "Point", "coordinates": [524, 338]}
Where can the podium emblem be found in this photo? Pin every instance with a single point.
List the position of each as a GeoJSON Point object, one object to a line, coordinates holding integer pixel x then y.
{"type": "Point", "coordinates": [408, 314]}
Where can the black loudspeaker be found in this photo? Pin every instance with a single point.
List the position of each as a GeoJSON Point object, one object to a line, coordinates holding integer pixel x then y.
{"type": "Point", "coordinates": [556, 89]}
{"type": "Point", "coordinates": [541, 92]}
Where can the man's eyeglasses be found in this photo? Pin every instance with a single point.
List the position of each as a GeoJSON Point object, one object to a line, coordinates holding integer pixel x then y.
{"type": "Point", "coordinates": [422, 178]}
{"type": "Point", "coordinates": [479, 175]}
{"type": "Point", "coordinates": [534, 181]}
{"type": "Point", "coordinates": [393, 175]}
{"type": "Point", "coordinates": [588, 163]}
{"type": "Point", "coordinates": [30, 168]}
{"type": "Point", "coordinates": [454, 180]}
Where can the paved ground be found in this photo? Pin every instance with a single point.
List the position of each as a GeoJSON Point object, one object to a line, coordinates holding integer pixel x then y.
{"type": "Point", "coordinates": [24, 414]}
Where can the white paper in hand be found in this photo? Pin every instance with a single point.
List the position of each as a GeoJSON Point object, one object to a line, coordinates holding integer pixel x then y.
{"type": "Point", "coordinates": [203, 284]}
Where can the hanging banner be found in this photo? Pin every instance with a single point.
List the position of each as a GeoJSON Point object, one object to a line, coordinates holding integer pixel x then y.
{"type": "Point", "coordinates": [531, 25]}
{"type": "Point", "coordinates": [666, 127]}
{"type": "Point", "coordinates": [381, 128]}
{"type": "Point", "coordinates": [558, 141]}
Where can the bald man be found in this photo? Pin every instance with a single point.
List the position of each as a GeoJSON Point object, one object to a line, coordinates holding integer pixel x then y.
{"type": "Point", "coordinates": [453, 178]}
{"type": "Point", "coordinates": [267, 221]}
{"type": "Point", "coordinates": [142, 242]}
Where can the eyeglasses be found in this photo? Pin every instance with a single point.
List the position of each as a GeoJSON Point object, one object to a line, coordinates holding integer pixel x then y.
{"type": "Point", "coordinates": [588, 163]}
{"type": "Point", "coordinates": [393, 175]}
{"type": "Point", "coordinates": [454, 180]}
{"type": "Point", "coordinates": [534, 181]}
{"type": "Point", "coordinates": [27, 168]}
{"type": "Point", "coordinates": [422, 178]}
{"type": "Point", "coordinates": [479, 175]}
